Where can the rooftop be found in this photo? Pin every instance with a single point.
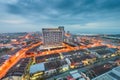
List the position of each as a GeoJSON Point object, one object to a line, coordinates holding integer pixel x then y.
{"type": "Point", "coordinates": [104, 52]}
{"type": "Point", "coordinates": [113, 74]}
{"type": "Point", "coordinates": [37, 67]}
{"type": "Point", "coordinates": [97, 48]}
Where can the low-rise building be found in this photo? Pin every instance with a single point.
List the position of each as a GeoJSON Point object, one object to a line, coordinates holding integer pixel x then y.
{"type": "Point", "coordinates": [13, 78]}
{"type": "Point", "coordinates": [102, 51]}
{"type": "Point", "coordinates": [78, 76]}
{"type": "Point", "coordinates": [113, 74]}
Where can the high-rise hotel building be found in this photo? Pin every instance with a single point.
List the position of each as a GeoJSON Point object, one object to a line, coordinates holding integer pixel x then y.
{"type": "Point", "coordinates": [53, 36]}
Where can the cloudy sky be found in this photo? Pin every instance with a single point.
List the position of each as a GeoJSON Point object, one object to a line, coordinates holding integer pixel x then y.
{"type": "Point", "coordinates": [78, 16]}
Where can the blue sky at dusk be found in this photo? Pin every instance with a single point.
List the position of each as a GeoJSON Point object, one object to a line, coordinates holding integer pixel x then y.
{"type": "Point", "coordinates": [78, 16]}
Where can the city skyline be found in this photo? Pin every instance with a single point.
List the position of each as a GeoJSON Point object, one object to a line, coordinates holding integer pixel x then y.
{"type": "Point", "coordinates": [96, 16]}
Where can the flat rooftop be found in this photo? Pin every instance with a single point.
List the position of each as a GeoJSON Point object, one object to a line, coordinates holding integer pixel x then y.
{"type": "Point", "coordinates": [36, 68]}
{"type": "Point", "coordinates": [49, 47]}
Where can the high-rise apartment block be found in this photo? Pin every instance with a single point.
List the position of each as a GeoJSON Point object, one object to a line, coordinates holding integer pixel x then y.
{"type": "Point", "coordinates": [53, 36]}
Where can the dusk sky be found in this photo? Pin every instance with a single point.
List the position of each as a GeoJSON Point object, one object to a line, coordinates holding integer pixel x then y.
{"type": "Point", "coordinates": [78, 16]}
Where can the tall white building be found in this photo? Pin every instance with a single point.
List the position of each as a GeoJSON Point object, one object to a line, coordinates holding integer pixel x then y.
{"type": "Point", "coordinates": [53, 36]}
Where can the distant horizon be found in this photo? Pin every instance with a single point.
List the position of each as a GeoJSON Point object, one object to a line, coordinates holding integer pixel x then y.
{"type": "Point", "coordinates": [76, 33]}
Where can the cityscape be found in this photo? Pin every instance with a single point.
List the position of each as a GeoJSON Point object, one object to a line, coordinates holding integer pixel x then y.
{"type": "Point", "coordinates": [59, 40]}
{"type": "Point", "coordinates": [56, 54]}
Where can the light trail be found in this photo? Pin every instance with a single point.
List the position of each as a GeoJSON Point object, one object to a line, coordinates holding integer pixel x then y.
{"type": "Point", "coordinates": [14, 59]}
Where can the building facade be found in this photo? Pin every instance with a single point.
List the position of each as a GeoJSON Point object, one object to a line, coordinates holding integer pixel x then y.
{"type": "Point", "coordinates": [53, 36]}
